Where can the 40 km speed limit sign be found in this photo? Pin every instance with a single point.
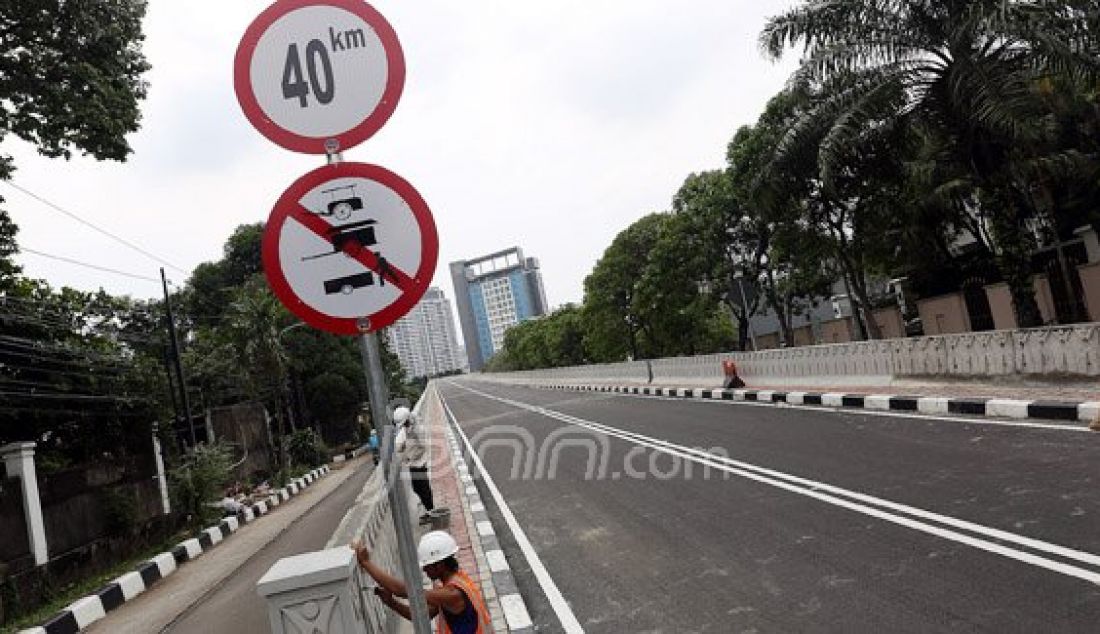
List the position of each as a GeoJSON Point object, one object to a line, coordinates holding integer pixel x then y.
{"type": "Point", "coordinates": [319, 76]}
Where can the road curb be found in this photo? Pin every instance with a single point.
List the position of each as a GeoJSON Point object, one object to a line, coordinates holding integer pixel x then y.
{"type": "Point", "coordinates": [1073, 411]}
{"type": "Point", "coordinates": [87, 610]}
{"type": "Point", "coordinates": [492, 564]}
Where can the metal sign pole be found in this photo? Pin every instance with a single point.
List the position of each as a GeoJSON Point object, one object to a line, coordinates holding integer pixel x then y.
{"type": "Point", "coordinates": [399, 505]}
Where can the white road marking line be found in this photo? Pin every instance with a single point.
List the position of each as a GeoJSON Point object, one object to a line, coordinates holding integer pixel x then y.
{"type": "Point", "coordinates": [561, 608]}
{"type": "Point", "coordinates": [811, 488]}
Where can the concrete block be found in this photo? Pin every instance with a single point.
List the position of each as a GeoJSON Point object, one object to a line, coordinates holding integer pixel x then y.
{"type": "Point", "coordinates": [1088, 412]}
{"type": "Point", "coordinates": [131, 584]}
{"type": "Point", "coordinates": [796, 398]}
{"type": "Point", "coordinates": [515, 611]}
{"type": "Point", "coordinates": [1010, 408]}
{"type": "Point", "coordinates": [313, 592]}
{"type": "Point", "coordinates": [764, 396]}
{"type": "Point", "coordinates": [87, 611]}
{"type": "Point", "coordinates": [832, 400]}
{"type": "Point", "coordinates": [193, 548]}
{"type": "Point", "coordinates": [234, 525]}
{"type": "Point", "coordinates": [166, 563]}
{"type": "Point", "coordinates": [215, 535]}
{"type": "Point", "coordinates": [877, 401]}
{"type": "Point", "coordinates": [932, 405]}
{"type": "Point", "coordinates": [496, 560]}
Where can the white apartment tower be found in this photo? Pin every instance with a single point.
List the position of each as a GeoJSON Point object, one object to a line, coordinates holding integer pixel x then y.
{"type": "Point", "coordinates": [425, 340]}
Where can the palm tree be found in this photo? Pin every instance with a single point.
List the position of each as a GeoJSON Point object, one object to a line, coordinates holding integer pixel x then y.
{"type": "Point", "coordinates": [967, 72]}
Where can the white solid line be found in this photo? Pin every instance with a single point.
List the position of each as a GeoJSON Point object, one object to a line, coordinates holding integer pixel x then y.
{"type": "Point", "coordinates": [811, 488]}
{"type": "Point", "coordinates": [561, 608]}
{"type": "Point", "coordinates": [1069, 553]}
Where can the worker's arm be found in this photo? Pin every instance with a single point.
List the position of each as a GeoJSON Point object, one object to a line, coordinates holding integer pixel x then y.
{"type": "Point", "coordinates": [391, 583]}
{"type": "Point", "coordinates": [402, 608]}
{"type": "Point", "coordinates": [445, 598]}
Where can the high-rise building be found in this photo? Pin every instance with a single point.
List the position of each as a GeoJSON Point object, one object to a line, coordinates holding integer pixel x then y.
{"type": "Point", "coordinates": [425, 340]}
{"type": "Point", "coordinates": [492, 293]}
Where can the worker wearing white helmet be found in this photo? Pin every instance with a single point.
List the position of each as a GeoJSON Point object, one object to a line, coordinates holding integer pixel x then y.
{"type": "Point", "coordinates": [414, 456]}
{"type": "Point", "coordinates": [454, 594]}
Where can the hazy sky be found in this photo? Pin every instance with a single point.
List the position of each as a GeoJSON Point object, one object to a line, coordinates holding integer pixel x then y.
{"type": "Point", "coordinates": [547, 125]}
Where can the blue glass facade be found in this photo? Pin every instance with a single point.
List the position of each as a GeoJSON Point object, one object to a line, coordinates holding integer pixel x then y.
{"type": "Point", "coordinates": [521, 294]}
{"type": "Point", "coordinates": [481, 318]}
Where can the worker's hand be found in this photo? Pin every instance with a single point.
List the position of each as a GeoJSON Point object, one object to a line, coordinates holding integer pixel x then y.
{"type": "Point", "coordinates": [362, 555]}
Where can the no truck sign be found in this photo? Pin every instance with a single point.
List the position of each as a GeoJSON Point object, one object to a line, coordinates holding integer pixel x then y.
{"type": "Point", "coordinates": [350, 247]}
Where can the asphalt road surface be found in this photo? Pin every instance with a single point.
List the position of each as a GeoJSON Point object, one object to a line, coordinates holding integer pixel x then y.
{"type": "Point", "coordinates": [233, 607]}
{"type": "Point", "coordinates": [659, 515]}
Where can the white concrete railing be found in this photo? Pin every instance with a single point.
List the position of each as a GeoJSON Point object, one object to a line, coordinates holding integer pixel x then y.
{"type": "Point", "coordinates": [325, 591]}
{"type": "Point", "coordinates": [1044, 352]}
{"type": "Point", "coordinates": [375, 528]}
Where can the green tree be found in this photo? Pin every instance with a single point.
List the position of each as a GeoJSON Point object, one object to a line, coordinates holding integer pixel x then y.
{"type": "Point", "coordinates": [70, 81]}
{"type": "Point", "coordinates": [685, 318]}
{"type": "Point", "coordinates": [8, 250]}
{"type": "Point", "coordinates": [616, 324]}
{"type": "Point", "coordinates": [71, 76]}
{"type": "Point", "coordinates": [555, 340]}
{"type": "Point", "coordinates": [728, 243]}
{"type": "Point", "coordinates": [966, 72]}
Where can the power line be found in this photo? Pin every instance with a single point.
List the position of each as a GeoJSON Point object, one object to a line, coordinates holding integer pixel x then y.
{"type": "Point", "coordinates": [76, 397]}
{"type": "Point", "coordinates": [94, 227]}
{"type": "Point", "coordinates": [91, 266]}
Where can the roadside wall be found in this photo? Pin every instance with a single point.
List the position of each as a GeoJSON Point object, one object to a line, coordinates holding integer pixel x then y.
{"type": "Point", "coordinates": [1063, 351]}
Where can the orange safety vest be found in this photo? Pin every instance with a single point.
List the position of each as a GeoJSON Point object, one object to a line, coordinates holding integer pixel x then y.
{"type": "Point", "coordinates": [466, 585]}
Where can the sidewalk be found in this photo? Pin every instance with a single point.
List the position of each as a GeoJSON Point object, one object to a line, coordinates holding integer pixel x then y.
{"type": "Point", "coordinates": [479, 551]}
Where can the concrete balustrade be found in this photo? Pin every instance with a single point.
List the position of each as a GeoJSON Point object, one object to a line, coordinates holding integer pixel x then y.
{"type": "Point", "coordinates": [1062, 351]}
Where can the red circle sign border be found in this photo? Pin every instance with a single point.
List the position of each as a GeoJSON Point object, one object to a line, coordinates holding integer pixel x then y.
{"type": "Point", "coordinates": [242, 79]}
{"type": "Point", "coordinates": [429, 247]}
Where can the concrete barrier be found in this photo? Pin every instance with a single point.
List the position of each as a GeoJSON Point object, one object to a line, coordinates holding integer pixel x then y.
{"type": "Point", "coordinates": [371, 520]}
{"type": "Point", "coordinates": [1061, 351]}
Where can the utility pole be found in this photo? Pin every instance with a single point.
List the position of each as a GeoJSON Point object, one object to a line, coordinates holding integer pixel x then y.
{"type": "Point", "coordinates": [392, 472]}
{"type": "Point", "coordinates": [745, 309]}
{"type": "Point", "coordinates": [176, 358]}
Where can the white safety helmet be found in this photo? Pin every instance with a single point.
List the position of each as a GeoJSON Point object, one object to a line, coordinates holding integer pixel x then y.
{"type": "Point", "coordinates": [435, 547]}
{"type": "Point", "coordinates": [401, 415]}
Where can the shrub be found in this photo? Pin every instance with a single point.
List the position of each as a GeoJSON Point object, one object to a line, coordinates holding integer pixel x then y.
{"type": "Point", "coordinates": [306, 448]}
{"type": "Point", "coordinates": [199, 480]}
{"type": "Point", "coordinates": [120, 512]}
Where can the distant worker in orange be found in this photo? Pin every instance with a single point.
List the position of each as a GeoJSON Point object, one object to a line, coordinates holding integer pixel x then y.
{"type": "Point", "coordinates": [454, 595]}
